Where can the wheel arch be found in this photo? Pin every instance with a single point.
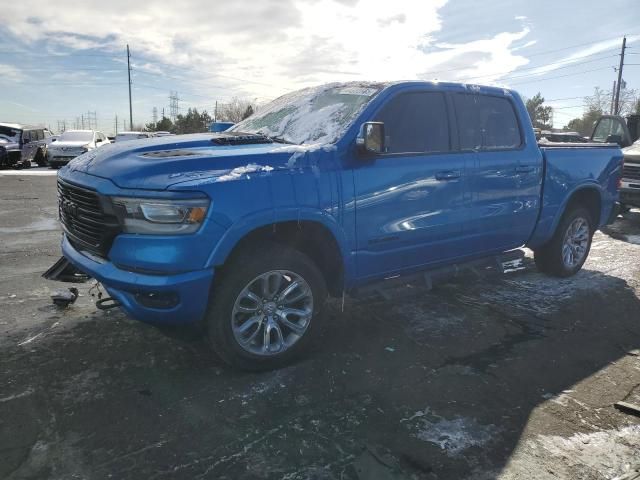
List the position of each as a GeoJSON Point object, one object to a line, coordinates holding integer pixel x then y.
{"type": "Point", "coordinates": [588, 194]}
{"type": "Point", "coordinates": [314, 234]}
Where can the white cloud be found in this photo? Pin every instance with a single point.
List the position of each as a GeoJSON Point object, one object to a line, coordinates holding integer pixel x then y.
{"type": "Point", "coordinates": [277, 45]}
{"type": "Point", "coordinates": [11, 73]}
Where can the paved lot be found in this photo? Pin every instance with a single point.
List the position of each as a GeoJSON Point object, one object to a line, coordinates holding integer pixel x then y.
{"type": "Point", "coordinates": [505, 376]}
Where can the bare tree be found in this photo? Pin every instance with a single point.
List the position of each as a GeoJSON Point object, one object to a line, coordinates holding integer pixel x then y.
{"type": "Point", "coordinates": [601, 100]}
{"type": "Point", "coordinates": [234, 111]}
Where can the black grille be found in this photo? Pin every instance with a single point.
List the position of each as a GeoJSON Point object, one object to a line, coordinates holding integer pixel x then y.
{"type": "Point", "coordinates": [83, 219]}
{"type": "Point", "coordinates": [629, 171]}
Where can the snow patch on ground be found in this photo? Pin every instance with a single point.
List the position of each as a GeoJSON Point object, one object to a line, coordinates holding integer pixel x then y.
{"type": "Point", "coordinates": [454, 436]}
{"type": "Point", "coordinates": [603, 454]}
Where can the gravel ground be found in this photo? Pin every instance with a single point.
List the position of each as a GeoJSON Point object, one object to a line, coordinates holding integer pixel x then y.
{"type": "Point", "coordinates": [508, 376]}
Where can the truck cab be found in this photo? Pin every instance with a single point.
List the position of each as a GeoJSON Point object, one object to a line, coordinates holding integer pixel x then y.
{"type": "Point", "coordinates": [625, 133]}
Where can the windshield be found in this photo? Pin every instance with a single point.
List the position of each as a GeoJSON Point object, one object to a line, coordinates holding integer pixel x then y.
{"type": "Point", "coordinates": [10, 134]}
{"type": "Point", "coordinates": [76, 137]}
{"type": "Point", "coordinates": [317, 115]}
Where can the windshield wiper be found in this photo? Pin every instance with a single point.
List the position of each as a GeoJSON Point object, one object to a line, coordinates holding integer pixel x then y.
{"type": "Point", "coordinates": [276, 138]}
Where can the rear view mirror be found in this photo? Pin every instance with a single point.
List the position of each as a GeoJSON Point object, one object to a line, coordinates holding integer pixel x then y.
{"type": "Point", "coordinates": [371, 137]}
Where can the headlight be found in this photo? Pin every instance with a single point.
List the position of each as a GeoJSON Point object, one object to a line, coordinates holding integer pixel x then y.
{"type": "Point", "coordinates": [160, 217]}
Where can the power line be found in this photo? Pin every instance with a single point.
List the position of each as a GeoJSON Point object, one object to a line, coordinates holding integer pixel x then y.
{"type": "Point", "coordinates": [562, 76]}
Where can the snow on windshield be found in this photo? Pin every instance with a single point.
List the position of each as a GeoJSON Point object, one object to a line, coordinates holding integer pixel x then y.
{"type": "Point", "coordinates": [318, 115]}
{"type": "Point", "coordinates": [78, 136]}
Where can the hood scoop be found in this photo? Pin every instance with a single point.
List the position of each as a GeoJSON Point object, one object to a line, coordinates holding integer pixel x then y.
{"type": "Point", "coordinates": [169, 153]}
{"type": "Point", "coordinates": [233, 138]}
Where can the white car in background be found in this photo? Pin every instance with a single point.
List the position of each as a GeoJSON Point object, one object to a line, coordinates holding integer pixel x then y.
{"type": "Point", "coordinates": [121, 136]}
{"type": "Point", "coordinates": [73, 143]}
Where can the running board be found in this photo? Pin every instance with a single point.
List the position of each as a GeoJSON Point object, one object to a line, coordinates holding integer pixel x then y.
{"type": "Point", "coordinates": [500, 263]}
{"type": "Point", "coordinates": [65, 271]}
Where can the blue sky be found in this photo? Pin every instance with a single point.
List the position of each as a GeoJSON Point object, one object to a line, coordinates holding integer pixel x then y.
{"type": "Point", "coordinates": [62, 60]}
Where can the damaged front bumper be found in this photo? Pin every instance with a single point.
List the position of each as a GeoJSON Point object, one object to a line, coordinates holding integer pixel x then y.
{"type": "Point", "coordinates": [152, 298]}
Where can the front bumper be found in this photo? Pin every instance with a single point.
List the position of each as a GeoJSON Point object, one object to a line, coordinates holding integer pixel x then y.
{"type": "Point", "coordinates": [630, 195]}
{"type": "Point", "coordinates": [186, 294]}
{"type": "Point", "coordinates": [59, 161]}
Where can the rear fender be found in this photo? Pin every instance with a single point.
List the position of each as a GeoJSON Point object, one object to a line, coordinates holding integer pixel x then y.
{"type": "Point", "coordinates": [551, 215]}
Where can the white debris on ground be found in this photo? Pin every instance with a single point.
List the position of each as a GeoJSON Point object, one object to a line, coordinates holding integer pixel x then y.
{"type": "Point", "coordinates": [542, 295]}
{"type": "Point", "coordinates": [454, 436]}
{"type": "Point", "coordinates": [606, 454]}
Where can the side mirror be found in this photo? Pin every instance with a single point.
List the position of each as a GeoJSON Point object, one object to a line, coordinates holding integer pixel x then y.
{"type": "Point", "coordinates": [371, 137]}
{"type": "Point", "coordinates": [25, 141]}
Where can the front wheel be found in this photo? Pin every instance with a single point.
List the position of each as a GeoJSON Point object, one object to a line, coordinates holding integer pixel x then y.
{"type": "Point", "coordinates": [265, 307]}
{"type": "Point", "coordinates": [567, 251]}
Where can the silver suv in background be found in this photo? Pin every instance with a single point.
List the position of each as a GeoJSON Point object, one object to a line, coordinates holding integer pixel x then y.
{"type": "Point", "coordinates": [73, 143]}
{"type": "Point", "coordinates": [22, 145]}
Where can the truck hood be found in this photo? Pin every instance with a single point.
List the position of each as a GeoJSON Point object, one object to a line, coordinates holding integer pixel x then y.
{"type": "Point", "coordinates": [632, 153]}
{"type": "Point", "coordinates": [159, 163]}
{"type": "Point", "coordinates": [10, 145]}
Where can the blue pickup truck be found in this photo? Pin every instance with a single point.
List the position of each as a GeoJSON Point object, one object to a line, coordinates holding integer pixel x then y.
{"type": "Point", "coordinates": [320, 192]}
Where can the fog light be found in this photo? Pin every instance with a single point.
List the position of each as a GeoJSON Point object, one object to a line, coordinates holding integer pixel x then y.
{"type": "Point", "coordinates": [159, 300]}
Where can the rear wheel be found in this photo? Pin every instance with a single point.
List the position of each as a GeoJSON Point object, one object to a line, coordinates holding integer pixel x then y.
{"type": "Point", "coordinates": [40, 159]}
{"type": "Point", "coordinates": [265, 308]}
{"type": "Point", "coordinates": [567, 251]}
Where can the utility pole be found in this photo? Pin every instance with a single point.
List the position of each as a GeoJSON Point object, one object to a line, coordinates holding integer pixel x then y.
{"type": "Point", "coordinates": [613, 97]}
{"type": "Point", "coordinates": [616, 109]}
{"type": "Point", "coordinates": [116, 132]}
{"type": "Point", "coordinates": [215, 112]}
{"type": "Point", "coordinates": [129, 75]}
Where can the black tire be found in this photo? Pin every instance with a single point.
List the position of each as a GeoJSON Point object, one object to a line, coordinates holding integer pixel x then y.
{"type": "Point", "coordinates": [231, 281]}
{"type": "Point", "coordinates": [549, 258]}
{"type": "Point", "coordinates": [40, 159]}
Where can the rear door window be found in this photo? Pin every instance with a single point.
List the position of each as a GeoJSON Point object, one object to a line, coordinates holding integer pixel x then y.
{"type": "Point", "coordinates": [486, 122]}
{"type": "Point", "coordinates": [416, 123]}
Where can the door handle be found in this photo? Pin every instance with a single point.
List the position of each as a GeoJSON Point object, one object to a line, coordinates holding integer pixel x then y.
{"type": "Point", "coordinates": [448, 175]}
{"type": "Point", "coordinates": [524, 169]}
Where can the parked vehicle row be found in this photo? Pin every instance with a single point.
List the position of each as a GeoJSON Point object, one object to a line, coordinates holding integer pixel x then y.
{"type": "Point", "coordinates": [21, 146]}
{"type": "Point", "coordinates": [322, 191]}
